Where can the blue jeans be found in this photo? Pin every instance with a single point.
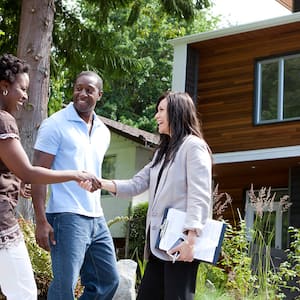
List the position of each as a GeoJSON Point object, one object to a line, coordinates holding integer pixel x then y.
{"type": "Point", "coordinates": [83, 247]}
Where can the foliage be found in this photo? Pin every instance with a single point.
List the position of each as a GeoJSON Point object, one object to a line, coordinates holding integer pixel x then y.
{"type": "Point", "coordinates": [40, 259]}
{"type": "Point", "coordinates": [236, 260]}
{"type": "Point", "coordinates": [10, 12]}
{"type": "Point", "coordinates": [125, 41]}
{"type": "Point", "coordinates": [217, 282]}
{"type": "Point", "coordinates": [117, 219]}
{"type": "Point", "coordinates": [262, 235]}
{"type": "Point", "coordinates": [135, 60]}
{"type": "Point", "coordinates": [210, 293]}
{"type": "Point", "coordinates": [142, 263]}
{"type": "Point", "coordinates": [243, 271]}
{"type": "Point", "coordinates": [131, 98]}
{"type": "Point", "coordinates": [210, 277]}
{"type": "Point", "coordinates": [137, 226]}
{"type": "Point", "coordinates": [57, 90]}
{"type": "Point", "coordinates": [237, 276]}
{"type": "Point", "coordinates": [294, 252]}
{"type": "Point", "coordinates": [292, 267]}
{"type": "Point", "coordinates": [247, 259]}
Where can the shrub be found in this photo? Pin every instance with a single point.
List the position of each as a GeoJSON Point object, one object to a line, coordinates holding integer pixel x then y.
{"type": "Point", "coordinates": [137, 225]}
{"type": "Point", "coordinates": [40, 259]}
{"type": "Point", "coordinates": [248, 262]}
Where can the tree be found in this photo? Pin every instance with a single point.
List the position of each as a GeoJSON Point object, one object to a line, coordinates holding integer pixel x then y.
{"type": "Point", "coordinates": [34, 45]}
{"type": "Point", "coordinates": [140, 59]}
{"type": "Point", "coordinates": [131, 98]}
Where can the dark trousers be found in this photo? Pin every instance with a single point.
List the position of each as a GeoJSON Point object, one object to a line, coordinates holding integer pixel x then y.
{"type": "Point", "coordinates": [164, 280]}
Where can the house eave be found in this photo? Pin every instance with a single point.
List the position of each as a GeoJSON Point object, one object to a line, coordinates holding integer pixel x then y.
{"type": "Point", "coordinates": [142, 137]}
{"type": "Point", "coordinates": [290, 18]}
{"type": "Point", "coordinates": [254, 155]}
{"type": "Point", "coordinates": [142, 140]}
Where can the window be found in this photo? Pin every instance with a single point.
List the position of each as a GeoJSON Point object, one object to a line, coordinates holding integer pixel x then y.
{"type": "Point", "coordinates": [278, 89]}
{"type": "Point", "coordinates": [108, 169]}
{"type": "Point", "coordinates": [278, 220]}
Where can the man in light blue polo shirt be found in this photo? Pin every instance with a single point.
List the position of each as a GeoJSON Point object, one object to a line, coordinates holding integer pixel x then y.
{"type": "Point", "coordinates": [74, 228]}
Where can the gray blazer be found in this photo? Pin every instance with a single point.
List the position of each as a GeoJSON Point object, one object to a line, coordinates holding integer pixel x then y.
{"type": "Point", "coordinates": [185, 184]}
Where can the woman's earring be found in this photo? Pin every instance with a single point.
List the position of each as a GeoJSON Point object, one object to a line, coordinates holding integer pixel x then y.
{"type": "Point", "coordinates": [5, 92]}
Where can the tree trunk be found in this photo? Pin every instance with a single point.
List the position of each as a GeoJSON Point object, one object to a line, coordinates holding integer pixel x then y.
{"type": "Point", "coordinates": [34, 46]}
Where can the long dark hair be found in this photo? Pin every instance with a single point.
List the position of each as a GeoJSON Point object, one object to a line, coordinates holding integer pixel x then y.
{"type": "Point", "coordinates": [10, 66]}
{"type": "Point", "coordinates": [183, 121]}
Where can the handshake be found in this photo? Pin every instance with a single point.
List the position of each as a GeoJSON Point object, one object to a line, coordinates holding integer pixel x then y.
{"type": "Point", "coordinates": [93, 183]}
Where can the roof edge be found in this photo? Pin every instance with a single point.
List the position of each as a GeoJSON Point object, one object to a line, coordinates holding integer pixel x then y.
{"type": "Point", "coordinates": [202, 36]}
{"type": "Point", "coordinates": [141, 136]}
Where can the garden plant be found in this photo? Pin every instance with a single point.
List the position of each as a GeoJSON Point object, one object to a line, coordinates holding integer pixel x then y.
{"type": "Point", "coordinates": [245, 270]}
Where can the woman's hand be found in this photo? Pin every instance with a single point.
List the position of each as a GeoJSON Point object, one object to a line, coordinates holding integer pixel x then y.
{"type": "Point", "coordinates": [183, 252]}
{"type": "Point", "coordinates": [25, 190]}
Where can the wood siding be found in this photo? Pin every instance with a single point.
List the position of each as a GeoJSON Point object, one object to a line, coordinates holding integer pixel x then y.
{"type": "Point", "coordinates": [292, 5]}
{"type": "Point", "coordinates": [226, 78]}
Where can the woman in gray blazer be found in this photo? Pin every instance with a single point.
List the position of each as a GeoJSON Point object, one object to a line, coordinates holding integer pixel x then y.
{"type": "Point", "coordinates": [179, 176]}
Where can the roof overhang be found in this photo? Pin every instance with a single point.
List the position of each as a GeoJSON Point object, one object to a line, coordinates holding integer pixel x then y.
{"type": "Point", "coordinates": [189, 39]}
{"type": "Point", "coordinates": [142, 137]}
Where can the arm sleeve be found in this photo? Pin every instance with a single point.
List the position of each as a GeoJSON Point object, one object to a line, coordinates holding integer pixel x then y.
{"type": "Point", "coordinates": [48, 137]}
{"type": "Point", "coordinates": [199, 186]}
{"type": "Point", "coordinates": [135, 186]}
{"type": "Point", "coordinates": [8, 126]}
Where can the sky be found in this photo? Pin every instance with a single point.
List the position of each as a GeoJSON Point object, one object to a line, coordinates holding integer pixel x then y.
{"type": "Point", "coordinates": [237, 12]}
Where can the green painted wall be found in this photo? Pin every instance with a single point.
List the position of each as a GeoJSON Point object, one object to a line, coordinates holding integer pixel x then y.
{"type": "Point", "coordinates": [130, 158]}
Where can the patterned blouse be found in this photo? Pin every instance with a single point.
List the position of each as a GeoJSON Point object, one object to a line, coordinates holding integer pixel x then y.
{"type": "Point", "coordinates": [10, 233]}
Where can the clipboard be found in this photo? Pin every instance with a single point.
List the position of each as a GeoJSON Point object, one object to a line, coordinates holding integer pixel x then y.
{"type": "Point", "coordinates": [208, 244]}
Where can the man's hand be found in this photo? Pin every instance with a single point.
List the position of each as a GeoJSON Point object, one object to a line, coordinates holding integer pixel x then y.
{"type": "Point", "coordinates": [44, 234]}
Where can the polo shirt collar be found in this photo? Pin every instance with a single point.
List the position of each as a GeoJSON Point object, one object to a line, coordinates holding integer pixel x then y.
{"type": "Point", "coordinates": [72, 115]}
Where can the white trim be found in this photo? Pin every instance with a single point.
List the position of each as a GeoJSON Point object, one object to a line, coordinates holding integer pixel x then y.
{"type": "Point", "coordinates": [179, 68]}
{"type": "Point", "coordinates": [252, 155]}
{"type": "Point", "coordinates": [291, 18]}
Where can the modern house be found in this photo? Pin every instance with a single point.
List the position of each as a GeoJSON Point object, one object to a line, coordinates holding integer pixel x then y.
{"type": "Point", "coordinates": [130, 150]}
{"type": "Point", "coordinates": [245, 81]}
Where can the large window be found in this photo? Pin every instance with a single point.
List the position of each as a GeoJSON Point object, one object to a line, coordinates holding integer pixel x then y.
{"type": "Point", "coordinates": [278, 89]}
{"type": "Point", "coordinates": [276, 218]}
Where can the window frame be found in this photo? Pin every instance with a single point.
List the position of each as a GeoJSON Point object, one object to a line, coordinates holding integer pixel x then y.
{"type": "Point", "coordinates": [280, 96]}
